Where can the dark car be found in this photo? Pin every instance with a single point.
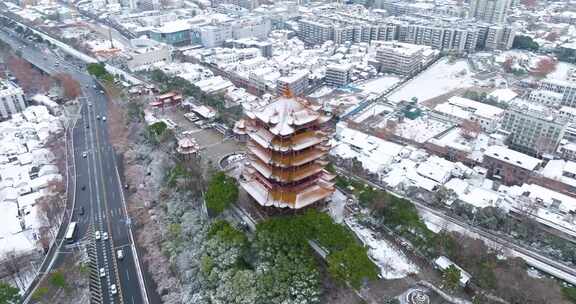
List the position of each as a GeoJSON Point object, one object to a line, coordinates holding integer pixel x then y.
{"type": "Point", "coordinates": [83, 187]}
{"type": "Point", "coordinates": [81, 211]}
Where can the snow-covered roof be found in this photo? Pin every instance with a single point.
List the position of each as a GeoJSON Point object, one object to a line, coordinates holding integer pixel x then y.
{"type": "Point", "coordinates": [503, 95]}
{"type": "Point", "coordinates": [513, 157]}
{"type": "Point", "coordinates": [548, 197]}
{"type": "Point", "coordinates": [285, 113]}
{"type": "Point", "coordinates": [475, 107]}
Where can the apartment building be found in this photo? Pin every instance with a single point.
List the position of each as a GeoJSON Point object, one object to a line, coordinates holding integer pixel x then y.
{"type": "Point", "coordinates": [442, 34]}
{"type": "Point", "coordinates": [294, 84]}
{"type": "Point", "coordinates": [338, 75]}
{"type": "Point", "coordinates": [566, 88]}
{"type": "Point", "coordinates": [548, 98]}
{"type": "Point", "coordinates": [247, 4]}
{"type": "Point", "coordinates": [534, 129]}
{"type": "Point", "coordinates": [11, 99]}
{"type": "Point", "coordinates": [493, 11]}
{"type": "Point", "coordinates": [399, 58]}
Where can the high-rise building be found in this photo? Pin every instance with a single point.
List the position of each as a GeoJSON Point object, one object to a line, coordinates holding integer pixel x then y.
{"type": "Point", "coordinates": [287, 146]}
{"type": "Point", "coordinates": [11, 99]}
{"type": "Point", "coordinates": [494, 11]}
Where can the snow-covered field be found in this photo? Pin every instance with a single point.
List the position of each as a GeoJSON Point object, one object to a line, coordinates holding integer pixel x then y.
{"type": "Point", "coordinates": [561, 71]}
{"type": "Point", "coordinates": [421, 129]}
{"type": "Point", "coordinates": [323, 91]}
{"type": "Point", "coordinates": [440, 78]}
{"type": "Point", "coordinates": [392, 262]}
{"type": "Point", "coordinates": [379, 85]}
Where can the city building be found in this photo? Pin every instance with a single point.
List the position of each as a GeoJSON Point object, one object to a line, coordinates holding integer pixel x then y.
{"type": "Point", "coordinates": [247, 4]}
{"type": "Point", "coordinates": [566, 88]}
{"type": "Point", "coordinates": [493, 11]}
{"type": "Point", "coordinates": [287, 147]}
{"type": "Point", "coordinates": [11, 99]}
{"type": "Point", "coordinates": [458, 109]}
{"type": "Point", "coordinates": [265, 47]}
{"type": "Point", "coordinates": [343, 25]}
{"type": "Point", "coordinates": [146, 52]}
{"type": "Point", "coordinates": [508, 166]}
{"type": "Point", "coordinates": [176, 33]}
{"type": "Point", "coordinates": [294, 84]}
{"type": "Point", "coordinates": [150, 5]}
{"type": "Point", "coordinates": [399, 58]}
{"type": "Point", "coordinates": [534, 129]}
{"type": "Point", "coordinates": [548, 98]}
{"type": "Point", "coordinates": [338, 75]}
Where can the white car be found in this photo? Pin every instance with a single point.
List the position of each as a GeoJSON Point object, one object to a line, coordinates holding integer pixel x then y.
{"type": "Point", "coordinates": [84, 154]}
{"type": "Point", "coordinates": [89, 104]}
{"type": "Point", "coordinates": [97, 235]}
{"type": "Point", "coordinates": [105, 235]}
{"type": "Point", "coordinates": [104, 118]}
{"type": "Point", "coordinates": [102, 272]}
{"type": "Point", "coordinates": [113, 289]}
{"type": "Point", "coordinates": [120, 254]}
{"type": "Point", "coordinates": [98, 117]}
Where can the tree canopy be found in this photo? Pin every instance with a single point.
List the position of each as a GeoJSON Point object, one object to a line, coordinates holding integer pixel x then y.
{"type": "Point", "coordinates": [9, 294]}
{"type": "Point", "coordinates": [451, 277]}
{"type": "Point", "coordinates": [525, 43]}
{"type": "Point", "coordinates": [222, 192]}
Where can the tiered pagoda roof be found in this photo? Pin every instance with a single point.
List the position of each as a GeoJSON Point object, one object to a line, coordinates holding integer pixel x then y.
{"type": "Point", "coordinates": [287, 147]}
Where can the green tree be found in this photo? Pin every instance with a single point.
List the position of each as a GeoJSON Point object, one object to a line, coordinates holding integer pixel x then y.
{"type": "Point", "coordinates": [222, 192]}
{"type": "Point", "coordinates": [97, 69]}
{"type": "Point", "coordinates": [569, 293]}
{"type": "Point", "coordinates": [57, 279]}
{"type": "Point", "coordinates": [352, 265]}
{"type": "Point", "coordinates": [390, 300]}
{"type": "Point", "coordinates": [451, 277]}
{"type": "Point", "coordinates": [40, 293]}
{"type": "Point", "coordinates": [525, 43]}
{"type": "Point", "coordinates": [9, 294]}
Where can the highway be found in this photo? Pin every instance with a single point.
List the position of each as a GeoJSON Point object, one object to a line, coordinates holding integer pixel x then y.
{"type": "Point", "coordinates": [98, 189]}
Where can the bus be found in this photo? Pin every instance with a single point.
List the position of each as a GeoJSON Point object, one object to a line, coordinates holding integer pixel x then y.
{"type": "Point", "coordinates": [71, 232]}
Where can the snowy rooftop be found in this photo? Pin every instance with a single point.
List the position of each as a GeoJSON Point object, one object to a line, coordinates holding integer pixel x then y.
{"type": "Point", "coordinates": [477, 108]}
{"type": "Point", "coordinates": [374, 153]}
{"type": "Point", "coordinates": [284, 114]}
{"type": "Point", "coordinates": [513, 157]}
{"type": "Point", "coordinates": [503, 95]}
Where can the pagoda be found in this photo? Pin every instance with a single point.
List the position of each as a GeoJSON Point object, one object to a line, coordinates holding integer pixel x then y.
{"type": "Point", "coordinates": [287, 147]}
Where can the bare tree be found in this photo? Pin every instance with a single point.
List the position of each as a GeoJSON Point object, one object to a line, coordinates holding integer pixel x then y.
{"type": "Point", "coordinates": [544, 67]}
{"type": "Point", "coordinates": [544, 144]}
{"type": "Point", "coordinates": [470, 129]}
{"type": "Point", "coordinates": [507, 64]}
{"type": "Point", "coordinates": [70, 86]}
{"type": "Point", "coordinates": [30, 79]}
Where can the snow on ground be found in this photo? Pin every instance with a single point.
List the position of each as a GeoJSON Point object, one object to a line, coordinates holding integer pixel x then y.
{"type": "Point", "coordinates": [379, 85]}
{"type": "Point", "coordinates": [421, 129]}
{"type": "Point", "coordinates": [561, 71]}
{"type": "Point", "coordinates": [440, 78]}
{"type": "Point", "coordinates": [337, 206]}
{"type": "Point", "coordinates": [392, 262]}
{"type": "Point", "coordinates": [323, 91]}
